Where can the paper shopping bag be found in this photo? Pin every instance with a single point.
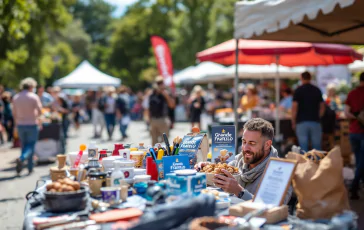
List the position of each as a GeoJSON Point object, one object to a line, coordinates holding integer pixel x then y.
{"type": "Point", "coordinates": [319, 185]}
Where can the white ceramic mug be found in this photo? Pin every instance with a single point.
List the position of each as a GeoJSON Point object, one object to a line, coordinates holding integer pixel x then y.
{"type": "Point", "coordinates": [125, 153]}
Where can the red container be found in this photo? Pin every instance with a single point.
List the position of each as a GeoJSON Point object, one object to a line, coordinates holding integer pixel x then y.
{"type": "Point", "coordinates": [116, 149]}
{"type": "Point", "coordinates": [152, 169]}
{"type": "Point", "coordinates": [103, 154]}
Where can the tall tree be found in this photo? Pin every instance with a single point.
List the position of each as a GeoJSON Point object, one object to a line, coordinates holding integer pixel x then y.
{"type": "Point", "coordinates": [96, 16]}
{"type": "Point", "coordinates": [23, 35]}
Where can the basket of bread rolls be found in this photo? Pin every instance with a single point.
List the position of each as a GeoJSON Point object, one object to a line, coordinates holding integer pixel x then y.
{"type": "Point", "coordinates": [65, 195]}
{"type": "Point", "coordinates": [212, 169]}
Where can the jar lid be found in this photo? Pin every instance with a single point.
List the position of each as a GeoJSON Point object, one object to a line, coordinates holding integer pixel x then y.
{"type": "Point", "coordinates": [97, 174]}
{"type": "Point", "coordinates": [137, 153]}
{"type": "Point", "coordinates": [186, 172]}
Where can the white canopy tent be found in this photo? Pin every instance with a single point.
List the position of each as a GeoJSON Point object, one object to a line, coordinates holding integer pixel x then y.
{"type": "Point", "coordinates": [194, 73]}
{"type": "Point", "coordinates": [86, 76]}
{"type": "Point", "coordinates": [357, 66]}
{"type": "Point", "coordinates": [257, 72]}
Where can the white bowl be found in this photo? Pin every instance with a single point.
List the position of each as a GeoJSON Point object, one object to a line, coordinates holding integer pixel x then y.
{"type": "Point", "coordinates": [126, 163]}
{"type": "Point", "coordinates": [73, 155]}
{"type": "Point", "coordinates": [108, 162]}
{"type": "Point", "coordinates": [140, 172]}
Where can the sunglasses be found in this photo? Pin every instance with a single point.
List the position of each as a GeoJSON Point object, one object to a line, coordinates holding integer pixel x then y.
{"type": "Point", "coordinates": [160, 83]}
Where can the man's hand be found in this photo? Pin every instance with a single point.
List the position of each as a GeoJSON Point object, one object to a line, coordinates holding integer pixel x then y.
{"type": "Point", "coordinates": [200, 165]}
{"type": "Point", "coordinates": [228, 183]}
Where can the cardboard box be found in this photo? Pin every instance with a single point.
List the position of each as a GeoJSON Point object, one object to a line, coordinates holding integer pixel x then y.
{"type": "Point", "coordinates": [272, 215]}
{"type": "Point", "coordinates": [196, 147]}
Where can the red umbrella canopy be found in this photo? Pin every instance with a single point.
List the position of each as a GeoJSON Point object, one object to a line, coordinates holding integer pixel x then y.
{"type": "Point", "coordinates": [259, 52]}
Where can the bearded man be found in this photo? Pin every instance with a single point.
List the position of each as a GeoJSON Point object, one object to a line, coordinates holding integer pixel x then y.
{"type": "Point", "coordinates": [256, 150]}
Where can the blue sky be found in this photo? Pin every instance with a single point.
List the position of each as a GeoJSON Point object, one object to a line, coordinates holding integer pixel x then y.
{"type": "Point", "coordinates": [121, 5]}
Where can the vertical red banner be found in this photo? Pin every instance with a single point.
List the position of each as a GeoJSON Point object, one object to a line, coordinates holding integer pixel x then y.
{"type": "Point", "coordinates": [164, 60]}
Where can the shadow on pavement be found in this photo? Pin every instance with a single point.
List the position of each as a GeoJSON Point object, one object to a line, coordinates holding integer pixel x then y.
{"type": "Point", "coordinates": [8, 178]}
{"type": "Point", "coordinates": [11, 199]}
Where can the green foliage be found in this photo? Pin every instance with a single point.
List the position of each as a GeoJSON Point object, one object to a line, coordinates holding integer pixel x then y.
{"type": "Point", "coordinates": [46, 39]}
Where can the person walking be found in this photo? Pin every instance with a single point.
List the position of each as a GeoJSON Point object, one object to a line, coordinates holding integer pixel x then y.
{"type": "Point", "coordinates": [159, 102]}
{"type": "Point", "coordinates": [109, 105]}
{"type": "Point", "coordinates": [76, 108]}
{"type": "Point", "coordinates": [8, 120]}
{"type": "Point", "coordinates": [197, 106]}
{"type": "Point", "coordinates": [26, 111]}
{"type": "Point", "coordinates": [354, 110]}
{"type": "Point", "coordinates": [123, 115]}
{"type": "Point", "coordinates": [307, 109]}
{"type": "Point", "coordinates": [98, 119]}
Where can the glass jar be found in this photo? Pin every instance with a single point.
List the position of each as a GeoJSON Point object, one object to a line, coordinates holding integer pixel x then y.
{"type": "Point", "coordinates": [96, 181]}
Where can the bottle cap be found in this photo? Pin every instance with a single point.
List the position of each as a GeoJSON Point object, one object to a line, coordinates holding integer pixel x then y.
{"type": "Point", "coordinates": [92, 145]}
{"type": "Point", "coordinates": [82, 147]}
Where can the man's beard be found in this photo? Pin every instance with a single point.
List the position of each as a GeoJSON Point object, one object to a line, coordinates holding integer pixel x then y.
{"type": "Point", "coordinates": [255, 156]}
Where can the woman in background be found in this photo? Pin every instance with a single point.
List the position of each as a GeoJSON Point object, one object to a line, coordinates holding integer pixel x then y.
{"type": "Point", "coordinates": [250, 100]}
{"type": "Point", "coordinates": [332, 99]}
{"type": "Point", "coordinates": [197, 105]}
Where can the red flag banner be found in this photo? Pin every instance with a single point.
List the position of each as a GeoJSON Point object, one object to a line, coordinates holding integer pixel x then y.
{"type": "Point", "coordinates": [164, 60]}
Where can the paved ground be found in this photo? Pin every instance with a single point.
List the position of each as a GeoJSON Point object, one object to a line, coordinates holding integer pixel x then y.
{"type": "Point", "coordinates": [13, 189]}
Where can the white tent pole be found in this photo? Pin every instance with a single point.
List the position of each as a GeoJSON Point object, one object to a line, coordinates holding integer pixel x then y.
{"type": "Point", "coordinates": [277, 86]}
{"type": "Point", "coordinates": [236, 81]}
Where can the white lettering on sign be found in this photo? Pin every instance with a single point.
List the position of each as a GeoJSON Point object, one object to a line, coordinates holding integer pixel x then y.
{"type": "Point", "coordinates": [223, 137]}
{"type": "Point", "coordinates": [177, 166]}
{"type": "Point", "coordinates": [162, 61]}
{"type": "Point", "coordinates": [191, 144]}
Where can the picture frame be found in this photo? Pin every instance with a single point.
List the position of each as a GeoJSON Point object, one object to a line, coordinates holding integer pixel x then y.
{"type": "Point", "coordinates": [275, 182]}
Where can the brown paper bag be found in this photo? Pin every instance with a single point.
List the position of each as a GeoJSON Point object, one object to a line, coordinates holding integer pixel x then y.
{"type": "Point", "coordinates": [319, 186]}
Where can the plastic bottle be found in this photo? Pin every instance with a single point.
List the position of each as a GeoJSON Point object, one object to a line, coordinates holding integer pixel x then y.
{"type": "Point", "coordinates": [117, 175]}
{"type": "Point", "coordinates": [93, 151]}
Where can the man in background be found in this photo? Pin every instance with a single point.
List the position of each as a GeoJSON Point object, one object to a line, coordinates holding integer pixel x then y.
{"type": "Point", "coordinates": [307, 109]}
{"type": "Point", "coordinates": [353, 110]}
{"type": "Point", "coordinates": [26, 110]}
{"type": "Point", "coordinates": [44, 97]}
{"type": "Point", "coordinates": [159, 104]}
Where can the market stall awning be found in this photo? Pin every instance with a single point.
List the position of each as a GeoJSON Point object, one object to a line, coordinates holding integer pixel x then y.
{"type": "Point", "coordinates": [326, 21]}
{"type": "Point", "coordinates": [357, 66]}
{"type": "Point", "coordinates": [254, 72]}
{"type": "Point", "coordinates": [259, 52]}
{"type": "Point", "coordinates": [193, 73]}
{"type": "Point", "coordinates": [86, 76]}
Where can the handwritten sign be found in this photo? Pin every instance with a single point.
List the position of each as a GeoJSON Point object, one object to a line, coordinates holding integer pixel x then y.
{"type": "Point", "coordinates": [276, 181]}
{"type": "Point", "coordinates": [223, 143]}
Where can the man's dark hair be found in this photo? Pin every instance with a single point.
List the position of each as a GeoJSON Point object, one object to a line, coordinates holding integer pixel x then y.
{"type": "Point", "coordinates": [288, 91]}
{"type": "Point", "coordinates": [260, 125]}
{"type": "Point", "coordinates": [306, 76]}
{"type": "Point", "coordinates": [362, 77]}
